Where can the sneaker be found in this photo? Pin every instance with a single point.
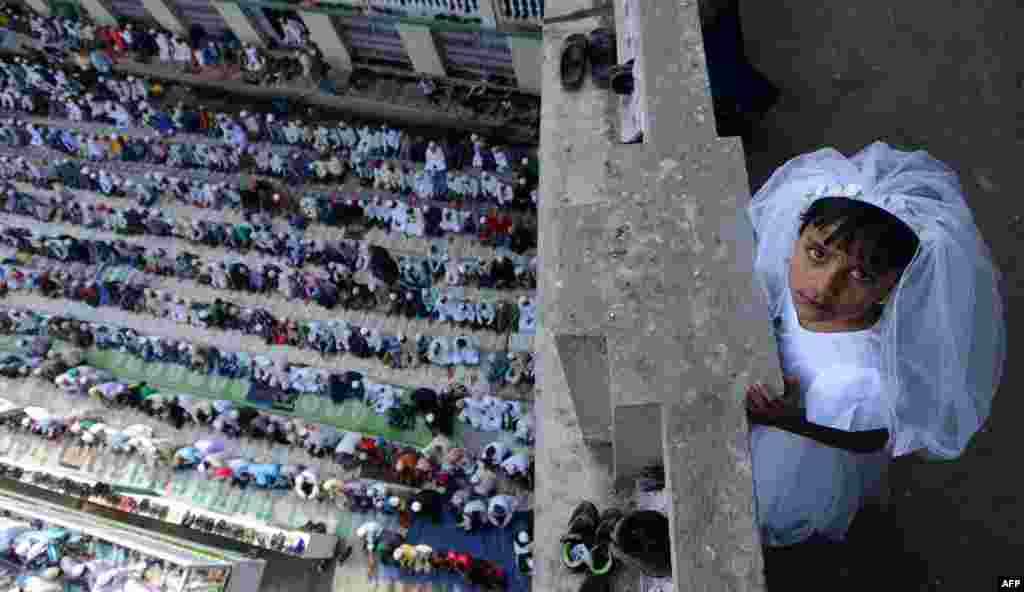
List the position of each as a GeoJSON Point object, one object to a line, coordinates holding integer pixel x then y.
{"type": "Point", "coordinates": [622, 81]}
{"type": "Point", "coordinates": [609, 519]}
{"type": "Point", "coordinates": [602, 52]}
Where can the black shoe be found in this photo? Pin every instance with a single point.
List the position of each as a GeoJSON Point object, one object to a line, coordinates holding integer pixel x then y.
{"type": "Point", "coordinates": [596, 583]}
{"type": "Point", "coordinates": [574, 62]}
{"type": "Point", "coordinates": [643, 540]}
{"type": "Point", "coordinates": [344, 555]}
{"type": "Point", "coordinates": [637, 139]}
{"type": "Point", "coordinates": [603, 54]}
{"type": "Point", "coordinates": [579, 541]}
{"type": "Point", "coordinates": [584, 520]}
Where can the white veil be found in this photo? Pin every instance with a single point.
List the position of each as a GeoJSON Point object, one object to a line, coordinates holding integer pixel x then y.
{"type": "Point", "coordinates": [943, 328]}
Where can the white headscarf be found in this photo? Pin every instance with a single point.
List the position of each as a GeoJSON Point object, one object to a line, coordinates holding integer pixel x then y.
{"type": "Point", "coordinates": [943, 327]}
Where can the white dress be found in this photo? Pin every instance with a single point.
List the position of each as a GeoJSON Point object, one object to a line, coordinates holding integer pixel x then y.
{"type": "Point", "coordinates": [801, 486]}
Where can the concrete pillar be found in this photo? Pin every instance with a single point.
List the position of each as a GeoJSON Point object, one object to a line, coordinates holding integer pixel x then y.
{"type": "Point", "coordinates": [422, 50]}
{"type": "Point", "coordinates": [584, 360]}
{"type": "Point", "coordinates": [165, 15]}
{"type": "Point", "coordinates": [323, 32]}
{"type": "Point", "coordinates": [99, 12]}
{"type": "Point", "coordinates": [41, 7]}
{"type": "Point", "coordinates": [526, 55]}
{"type": "Point", "coordinates": [239, 24]}
{"type": "Point", "coordinates": [489, 13]}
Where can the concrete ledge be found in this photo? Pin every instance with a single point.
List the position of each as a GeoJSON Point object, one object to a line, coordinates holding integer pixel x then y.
{"type": "Point", "coordinates": [645, 244]}
{"type": "Point", "coordinates": [639, 442]}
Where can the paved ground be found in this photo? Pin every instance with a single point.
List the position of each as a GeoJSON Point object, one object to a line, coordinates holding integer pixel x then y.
{"type": "Point", "coordinates": [939, 75]}
{"type": "Point", "coordinates": [945, 76]}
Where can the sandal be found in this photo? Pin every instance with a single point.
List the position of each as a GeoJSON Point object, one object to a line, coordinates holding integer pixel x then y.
{"type": "Point", "coordinates": [577, 543]}
{"type": "Point", "coordinates": [622, 78]}
{"type": "Point", "coordinates": [574, 61]}
{"type": "Point", "coordinates": [597, 558]}
{"type": "Point", "coordinates": [596, 583]}
{"type": "Point", "coordinates": [603, 54]}
{"type": "Point", "coordinates": [605, 528]}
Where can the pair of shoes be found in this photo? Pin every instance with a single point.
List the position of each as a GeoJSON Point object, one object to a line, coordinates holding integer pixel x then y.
{"type": "Point", "coordinates": [599, 50]}
{"type": "Point", "coordinates": [643, 539]}
{"type": "Point", "coordinates": [582, 548]}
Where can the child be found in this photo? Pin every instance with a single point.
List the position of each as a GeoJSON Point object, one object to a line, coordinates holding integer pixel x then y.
{"type": "Point", "coordinates": [890, 329]}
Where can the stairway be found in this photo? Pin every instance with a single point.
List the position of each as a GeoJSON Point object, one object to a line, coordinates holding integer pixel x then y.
{"type": "Point", "coordinates": [649, 299]}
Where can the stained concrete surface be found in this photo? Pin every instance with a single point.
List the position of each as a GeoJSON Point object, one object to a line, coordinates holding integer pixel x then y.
{"type": "Point", "coordinates": [944, 76]}
{"type": "Point", "coordinates": [941, 76]}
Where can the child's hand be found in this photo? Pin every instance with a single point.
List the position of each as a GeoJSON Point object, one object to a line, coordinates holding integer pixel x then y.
{"type": "Point", "coordinates": [764, 406]}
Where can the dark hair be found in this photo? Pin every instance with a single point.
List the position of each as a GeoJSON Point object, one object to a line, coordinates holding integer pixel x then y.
{"type": "Point", "coordinates": [883, 241]}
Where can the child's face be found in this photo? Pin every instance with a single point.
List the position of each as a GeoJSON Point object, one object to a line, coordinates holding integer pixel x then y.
{"type": "Point", "coordinates": [831, 289]}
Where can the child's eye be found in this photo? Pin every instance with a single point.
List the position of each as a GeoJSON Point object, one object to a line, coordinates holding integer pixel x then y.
{"type": "Point", "coordinates": [861, 276]}
{"type": "Point", "coordinates": [815, 254]}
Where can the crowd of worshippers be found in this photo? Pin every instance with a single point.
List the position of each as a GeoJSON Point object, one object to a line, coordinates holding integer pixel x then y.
{"type": "Point", "coordinates": [482, 411]}
{"type": "Point", "coordinates": [337, 287]}
{"type": "Point", "coordinates": [126, 102]}
{"type": "Point", "coordinates": [259, 201]}
{"type": "Point", "coordinates": [99, 47]}
{"type": "Point", "coordinates": [439, 410]}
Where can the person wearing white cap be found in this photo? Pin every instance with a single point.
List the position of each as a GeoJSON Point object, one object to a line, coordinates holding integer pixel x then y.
{"type": "Point", "coordinates": [73, 109]}
{"type": "Point", "coordinates": [501, 509]}
{"type": "Point", "coordinates": [27, 104]}
{"type": "Point", "coordinates": [119, 114]}
{"type": "Point", "coordinates": [182, 53]}
{"type": "Point", "coordinates": [140, 90]}
{"type": "Point", "coordinates": [36, 135]}
{"type": "Point", "coordinates": [277, 164]}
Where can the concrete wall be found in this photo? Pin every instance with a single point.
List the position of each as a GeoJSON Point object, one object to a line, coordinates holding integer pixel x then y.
{"type": "Point", "coordinates": [99, 12]}
{"type": "Point", "coordinates": [584, 359]}
{"type": "Point", "coordinates": [239, 23]}
{"type": "Point", "coordinates": [165, 15]}
{"type": "Point", "coordinates": [323, 32]}
{"type": "Point", "coordinates": [526, 54]}
{"type": "Point", "coordinates": [640, 244]}
{"type": "Point", "coordinates": [40, 6]}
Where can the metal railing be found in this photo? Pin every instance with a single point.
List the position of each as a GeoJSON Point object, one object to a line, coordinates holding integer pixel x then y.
{"type": "Point", "coordinates": [462, 9]}
{"type": "Point", "coordinates": [528, 13]}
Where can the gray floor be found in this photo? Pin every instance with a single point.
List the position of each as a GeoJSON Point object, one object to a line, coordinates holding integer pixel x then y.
{"type": "Point", "coordinates": [943, 76]}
